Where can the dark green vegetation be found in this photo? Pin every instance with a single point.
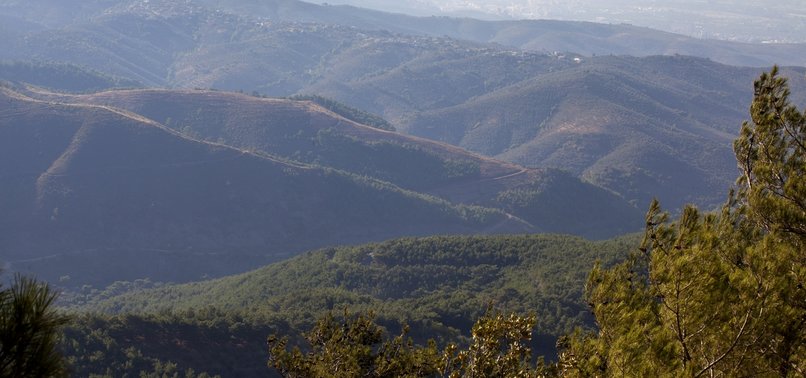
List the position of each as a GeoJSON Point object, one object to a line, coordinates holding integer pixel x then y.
{"type": "Point", "coordinates": [354, 347]}
{"type": "Point", "coordinates": [717, 294]}
{"type": "Point", "coordinates": [29, 330]}
{"type": "Point", "coordinates": [164, 345]}
{"type": "Point", "coordinates": [640, 127]}
{"type": "Point", "coordinates": [439, 285]}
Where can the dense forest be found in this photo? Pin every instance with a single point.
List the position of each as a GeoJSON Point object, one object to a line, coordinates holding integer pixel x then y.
{"type": "Point", "coordinates": [439, 286]}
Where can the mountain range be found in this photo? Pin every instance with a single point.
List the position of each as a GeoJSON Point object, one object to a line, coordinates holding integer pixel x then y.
{"type": "Point", "coordinates": [197, 174]}
{"type": "Point", "coordinates": [585, 38]}
{"type": "Point", "coordinates": [92, 187]}
{"type": "Point", "coordinates": [758, 21]}
{"type": "Point", "coordinates": [587, 140]}
{"type": "Point", "coordinates": [657, 126]}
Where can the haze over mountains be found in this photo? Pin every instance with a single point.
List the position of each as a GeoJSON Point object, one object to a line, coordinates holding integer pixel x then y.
{"type": "Point", "coordinates": [46, 29]}
{"type": "Point", "coordinates": [656, 126]}
{"type": "Point", "coordinates": [146, 145]}
{"type": "Point", "coordinates": [755, 21]}
{"type": "Point", "coordinates": [614, 130]}
{"type": "Point", "coordinates": [89, 185]}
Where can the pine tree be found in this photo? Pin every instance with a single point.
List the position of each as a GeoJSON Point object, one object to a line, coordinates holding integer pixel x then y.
{"type": "Point", "coordinates": [771, 151]}
{"type": "Point", "coordinates": [714, 294]}
{"type": "Point", "coordinates": [499, 348]}
{"type": "Point", "coordinates": [353, 347]}
{"type": "Point", "coordinates": [29, 330]}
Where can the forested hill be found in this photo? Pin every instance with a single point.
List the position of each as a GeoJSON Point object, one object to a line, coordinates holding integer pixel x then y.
{"type": "Point", "coordinates": [438, 285]}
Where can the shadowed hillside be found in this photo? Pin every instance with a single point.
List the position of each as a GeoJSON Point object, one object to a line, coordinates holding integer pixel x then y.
{"type": "Point", "coordinates": [622, 123]}
{"type": "Point", "coordinates": [61, 77]}
{"type": "Point", "coordinates": [89, 189]}
{"type": "Point", "coordinates": [549, 200]}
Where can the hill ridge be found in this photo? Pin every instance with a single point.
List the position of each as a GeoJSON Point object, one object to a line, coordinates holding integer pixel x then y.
{"type": "Point", "coordinates": [87, 99]}
{"type": "Point", "coordinates": [105, 191]}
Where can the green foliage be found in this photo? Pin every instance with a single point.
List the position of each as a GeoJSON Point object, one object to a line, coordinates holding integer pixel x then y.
{"type": "Point", "coordinates": [29, 330]}
{"type": "Point", "coordinates": [200, 343]}
{"type": "Point", "coordinates": [771, 151]}
{"type": "Point", "coordinates": [499, 348]}
{"type": "Point", "coordinates": [439, 286]}
{"type": "Point", "coordinates": [446, 280]}
{"type": "Point", "coordinates": [713, 294]}
{"type": "Point", "coordinates": [353, 348]}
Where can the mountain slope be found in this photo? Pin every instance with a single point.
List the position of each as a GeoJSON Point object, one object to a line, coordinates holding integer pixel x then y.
{"type": "Point", "coordinates": [148, 40]}
{"type": "Point", "coordinates": [550, 200]}
{"type": "Point", "coordinates": [90, 189]}
{"type": "Point", "coordinates": [642, 127]}
{"type": "Point", "coordinates": [653, 127]}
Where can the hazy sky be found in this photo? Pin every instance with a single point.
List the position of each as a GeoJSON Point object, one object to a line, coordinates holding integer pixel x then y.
{"type": "Point", "coordinates": [744, 20]}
